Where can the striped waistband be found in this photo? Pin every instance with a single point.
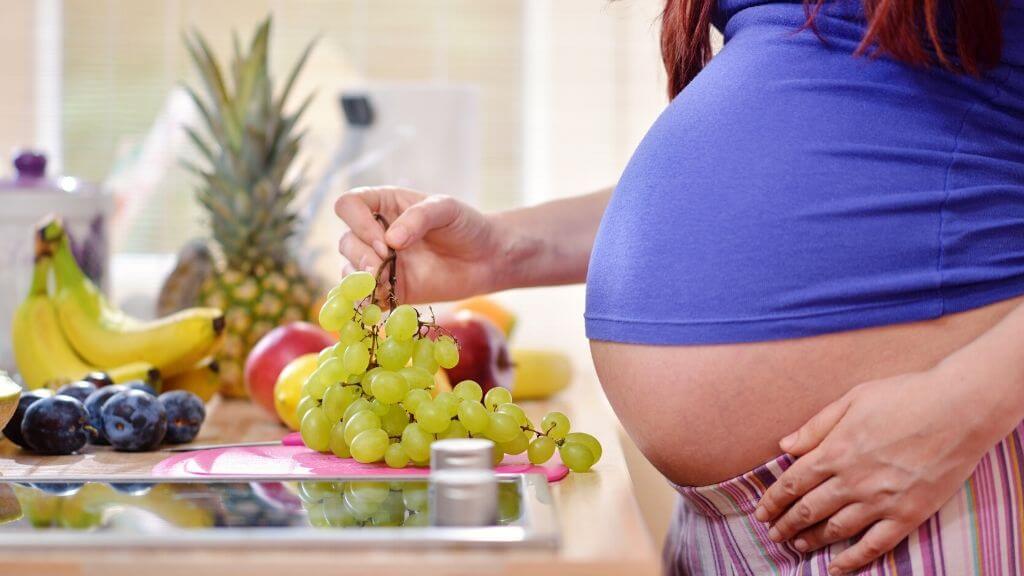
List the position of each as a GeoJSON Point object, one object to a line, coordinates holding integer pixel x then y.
{"type": "Point", "coordinates": [736, 496]}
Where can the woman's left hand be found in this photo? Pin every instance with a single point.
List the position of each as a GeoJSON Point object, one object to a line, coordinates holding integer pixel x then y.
{"type": "Point", "coordinates": [880, 461]}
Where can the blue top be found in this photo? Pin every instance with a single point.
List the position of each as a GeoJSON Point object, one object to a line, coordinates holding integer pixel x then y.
{"type": "Point", "coordinates": [794, 189]}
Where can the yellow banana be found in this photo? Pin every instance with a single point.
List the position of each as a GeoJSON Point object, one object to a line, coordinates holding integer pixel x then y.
{"type": "Point", "coordinates": [539, 373]}
{"type": "Point", "coordinates": [44, 357]}
{"type": "Point", "coordinates": [203, 380]}
{"type": "Point", "coordinates": [105, 336]}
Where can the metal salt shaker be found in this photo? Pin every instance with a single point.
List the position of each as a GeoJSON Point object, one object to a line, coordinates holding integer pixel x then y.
{"type": "Point", "coordinates": [463, 487]}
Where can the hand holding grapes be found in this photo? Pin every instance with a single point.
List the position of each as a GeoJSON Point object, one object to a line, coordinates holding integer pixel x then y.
{"type": "Point", "coordinates": [371, 398]}
{"type": "Point", "coordinates": [449, 250]}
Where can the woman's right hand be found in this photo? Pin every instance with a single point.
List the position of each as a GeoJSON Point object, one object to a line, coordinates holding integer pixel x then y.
{"type": "Point", "coordinates": [446, 249]}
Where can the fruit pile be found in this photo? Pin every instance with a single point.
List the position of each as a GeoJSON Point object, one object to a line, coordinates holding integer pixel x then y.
{"type": "Point", "coordinates": [60, 337]}
{"type": "Point", "coordinates": [371, 398]}
{"type": "Point", "coordinates": [129, 417]}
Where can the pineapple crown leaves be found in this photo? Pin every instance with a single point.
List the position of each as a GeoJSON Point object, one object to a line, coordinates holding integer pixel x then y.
{"type": "Point", "coordinates": [251, 143]}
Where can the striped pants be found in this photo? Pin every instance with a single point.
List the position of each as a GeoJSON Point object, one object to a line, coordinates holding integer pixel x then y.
{"type": "Point", "coordinates": [979, 531]}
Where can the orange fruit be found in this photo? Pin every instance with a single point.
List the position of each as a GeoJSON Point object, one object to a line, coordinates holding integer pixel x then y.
{"type": "Point", "coordinates": [489, 308]}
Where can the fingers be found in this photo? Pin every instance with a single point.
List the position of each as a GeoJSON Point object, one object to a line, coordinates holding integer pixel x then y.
{"type": "Point", "coordinates": [820, 503]}
{"type": "Point", "coordinates": [882, 537]}
{"type": "Point", "coordinates": [357, 252]}
{"type": "Point", "coordinates": [811, 434]}
{"type": "Point", "coordinates": [796, 481]}
{"type": "Point", "coordinates": [356, 208]}
{"type": "Point", "coordinates": [428, 214]}
{"type": "Point", "coordinates": [842, 525]}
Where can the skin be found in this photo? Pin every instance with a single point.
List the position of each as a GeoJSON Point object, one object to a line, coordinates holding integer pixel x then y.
{"type": "Point", "coordinates": [871, 409]}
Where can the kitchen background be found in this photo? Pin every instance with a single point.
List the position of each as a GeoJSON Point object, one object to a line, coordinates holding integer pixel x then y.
{"type": "Point", "coordinates": [500, 102]}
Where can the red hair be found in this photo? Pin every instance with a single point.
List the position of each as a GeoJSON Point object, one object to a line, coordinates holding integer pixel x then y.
{"type": "Point", "coordinates": [907, 30]}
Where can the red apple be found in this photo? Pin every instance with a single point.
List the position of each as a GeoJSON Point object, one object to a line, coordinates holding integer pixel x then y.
{"type": "Point", "coordinates": [274, 351]}
{"type": "Point", "coordinates": [483, 351]}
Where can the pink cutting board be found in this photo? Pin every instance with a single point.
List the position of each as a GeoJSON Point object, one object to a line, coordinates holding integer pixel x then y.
{"type": "Point", "coordinates": [301, 462]}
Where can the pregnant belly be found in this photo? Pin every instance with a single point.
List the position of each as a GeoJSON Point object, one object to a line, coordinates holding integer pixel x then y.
{"type": "Point", "coordinates": [703, 414]}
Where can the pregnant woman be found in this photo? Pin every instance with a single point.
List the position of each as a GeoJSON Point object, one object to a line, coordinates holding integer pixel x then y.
{"type": "Point", "coordinates": [804, 294]}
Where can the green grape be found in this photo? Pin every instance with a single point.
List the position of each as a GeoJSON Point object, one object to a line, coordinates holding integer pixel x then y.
{"type": "Point", "coordinates": [371, 314]}
{"type": "Point", "coordinates": [389, 387]}
{"type": "Point", "coordinates": [369, 445]}
{"type": "Point", "coordinates": [514, 411]}
{"type": "Point", "coordinates": [357, 358]}
{"type": "Point", "coordinates": [587, 440]}
{"type": "Point", "coordinates": [402, 323]}
{"type": "Point", "coordinates": [415, 496]}
{"type": "Point", "coordinates": [334, 291]}
{"type": "Point", "coordinates": [358, 285]}
{"type": "Point", "coordinates": [555, 425]}
{"type": "Point", "coordinates": [325, 355]}
{"type": "Point", "coordinates": [416, 442]}
{"type": "Point", "coordinates": [358, 405]}
{"type": "Point", "coordinates": [337, 514]}
{"type": "Point", "coordinates": [314, 387]}
{"type": "Point", "coordinates": [370, 491]}
{"type": "Point", "coordinates": [501, 428]}
{"type": "Point", "coordinates": [576, 456]}
{"type": "Point", "coordinates": [367, 380]}
{"type": "Point", "coordinates": [508, 503]}
{"type": "Point", "coordinates": [360, 508]}
{"type": "Point", "coordinates": [330, 372]}
{"type": "Point", "coordinates": [337, 398]}
{"type": "Point", "coordinates": [379, 408]}
{"type": "Point", "coordinates": [337, 445]}
{"type": "Point", "coordinates": [468, 390]}
{"type": "Point", "coordinates": [540, 450]}
{"type": "Point", "coordinates": [395, 420]}
{"type": "Point", "coordinates": [305, 404]}
{"type": "Point", "coordinates": [433, 417]}
{"type": "Point", "coordinates": [350, 332]}
{"type": "Point", "coordinates": [413, 398]}
{"type": "Point", "coordinates": [417, 377]}
{"type": "Point", "coordinates": [446, 352]}
{"type": "Point", "coordinates": [497, 396]}
{"type": "Point", "coordinates": [473, 416]}
{"type": "Point", "coordinates": [497, 456]}
{"type": "Point", "coordinates": [449, 401]}
{"type": "Point", "coordinates": [423, 355]}
{"type": "Point", "coordinates": [360, 422]}
{"type": "Point", "coordinates": [315, 430]}
{"type": "Point", "coordinates": [335, 312]}
{"type": "Point", "coordinates": [516, 445]}
{"type": "Point", "coordinates": [393, 353]}
{"type": "Point", "coordinates": [455, 430]}
{"type": "Point", "coordinates": [395, 456]}
{"type": "Point", "coordinates": [316, 516]}
{"type": "Point", "coordinates": [315, 491]}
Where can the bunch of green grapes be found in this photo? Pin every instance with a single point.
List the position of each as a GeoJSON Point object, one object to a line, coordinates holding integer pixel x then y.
{"type": "Point", "coordinates": [372, 395]}
{"type": "Point", "coordinates": [368, 503]}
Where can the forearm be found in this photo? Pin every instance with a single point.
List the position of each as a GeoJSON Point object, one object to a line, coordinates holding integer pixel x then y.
{"type": "Point", "coordinates": [550, 244]}
{"type": "Point", "coordinates": [990, 373]}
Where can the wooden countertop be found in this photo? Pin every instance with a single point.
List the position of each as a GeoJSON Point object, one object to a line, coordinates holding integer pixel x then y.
{"type": "Point", "coordinates": [602, 530]}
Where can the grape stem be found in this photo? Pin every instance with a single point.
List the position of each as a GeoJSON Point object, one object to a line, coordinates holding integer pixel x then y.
{"type": "Point", "coordinates": [391, 265]}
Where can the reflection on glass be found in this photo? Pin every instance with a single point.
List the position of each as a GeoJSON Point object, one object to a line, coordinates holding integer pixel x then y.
{"type": "Point", "coordinates": [143, 507]}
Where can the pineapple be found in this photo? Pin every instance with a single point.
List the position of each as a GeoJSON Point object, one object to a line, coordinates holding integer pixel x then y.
{"type": "Point", "coordinates": [249, 145]}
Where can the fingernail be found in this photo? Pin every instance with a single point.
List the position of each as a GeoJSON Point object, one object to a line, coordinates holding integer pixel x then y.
{"type": "Point", "coordinates": [398, 236]}
{"type": "Point", "coordinates": [380, 248]}
{"type": "Point", "coordinates": [761, 515]}
{"type": "Point", "coordinates": [833, 571]}
{"type": "Point", "coordinates": [787, 442]}
{"type": "Point", "coordinates": [800, 544]}
{"type": "Point", "coordinates": [774, 535]}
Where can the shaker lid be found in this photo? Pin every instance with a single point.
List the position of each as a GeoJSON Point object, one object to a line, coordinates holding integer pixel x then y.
{"type": "Point", "coordinates": [461, 453]}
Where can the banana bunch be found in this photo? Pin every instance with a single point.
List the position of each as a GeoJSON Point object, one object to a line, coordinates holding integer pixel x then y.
{"type": "Point", "coordinates": [63, 336]}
